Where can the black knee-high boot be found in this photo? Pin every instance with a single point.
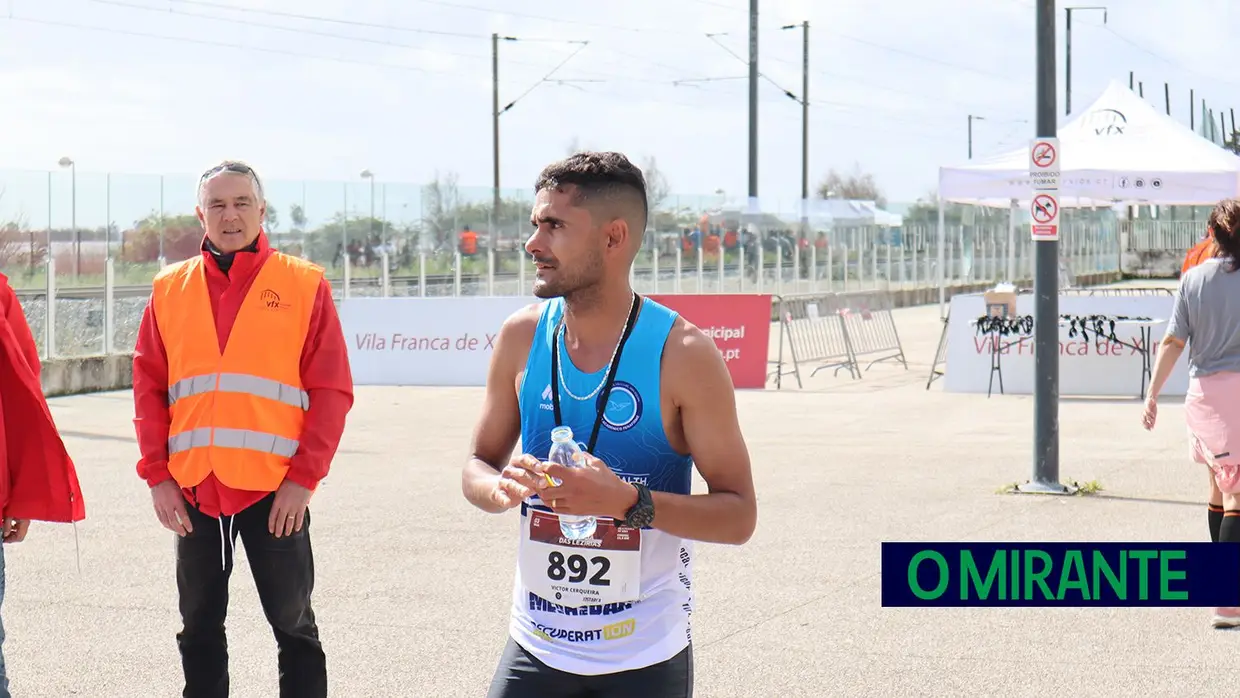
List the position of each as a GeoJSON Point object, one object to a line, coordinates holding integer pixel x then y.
{"type": "Point", "coordinates": [1216, 521]}
{"type": "Point", "coordinates": [1229, 531]}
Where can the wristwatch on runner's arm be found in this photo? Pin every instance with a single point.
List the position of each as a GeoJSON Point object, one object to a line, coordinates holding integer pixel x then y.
{"type": "Point", "coordinates": [641, 513]}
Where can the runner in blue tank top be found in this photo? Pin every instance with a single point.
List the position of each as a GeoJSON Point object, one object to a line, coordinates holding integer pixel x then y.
{"type": "Point", "coordinates": [649, 397]}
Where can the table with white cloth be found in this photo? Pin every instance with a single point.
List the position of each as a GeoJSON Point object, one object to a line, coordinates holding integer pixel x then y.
{"type": "Point", "coordinates": [1139, 331]}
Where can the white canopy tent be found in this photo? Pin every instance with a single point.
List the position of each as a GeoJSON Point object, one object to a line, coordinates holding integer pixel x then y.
{"type": "Point", "coordinates": [1118, 150]}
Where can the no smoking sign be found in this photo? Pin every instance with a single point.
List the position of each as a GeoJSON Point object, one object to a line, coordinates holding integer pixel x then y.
{"type": "Point", "coordinates": [1043, 155]}
{"type": "Point", "coordinates": [1044, 163]}
{"type": "Point", "coordinates": [1045, 212]}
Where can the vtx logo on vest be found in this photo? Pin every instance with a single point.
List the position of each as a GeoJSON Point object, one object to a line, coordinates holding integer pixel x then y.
{"type": "Point", "coordinates": [271, 299]}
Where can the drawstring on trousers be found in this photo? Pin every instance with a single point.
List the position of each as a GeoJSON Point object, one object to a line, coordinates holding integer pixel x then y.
{"type": "Point", "coordinates": [77, 549]}
{"type": "Point", "coordinates": [225, 540]}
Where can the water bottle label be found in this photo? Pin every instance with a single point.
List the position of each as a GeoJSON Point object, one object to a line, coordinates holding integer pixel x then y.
{"type": "Point", "coordinates": [604, 568]}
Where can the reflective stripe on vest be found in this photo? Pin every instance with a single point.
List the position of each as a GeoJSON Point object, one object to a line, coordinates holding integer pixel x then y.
{"type": "Point", "coordinates": [239, 383]}
{"type": "Point", "coordinates": [232, 438]}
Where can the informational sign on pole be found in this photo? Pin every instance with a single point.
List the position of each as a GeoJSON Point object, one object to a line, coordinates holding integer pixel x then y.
{"type": "Point", "coordinates": [1045, 213]}
{"type": "Point", "coordinates": [1044, 163]}
{"type": "Point", "coordinates": [1044, 173]}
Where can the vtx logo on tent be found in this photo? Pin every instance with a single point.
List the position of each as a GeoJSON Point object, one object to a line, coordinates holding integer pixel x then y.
{"type": "Point", "coordinates": [1107, 122]}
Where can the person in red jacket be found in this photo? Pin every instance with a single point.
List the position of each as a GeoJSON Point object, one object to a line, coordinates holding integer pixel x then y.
{"type": "Point", "coordinates": [38, 481]}
{"type": "Point", "coordinates": [1206, 248]}
{"type": "Point", "coordinates": [242, 276]}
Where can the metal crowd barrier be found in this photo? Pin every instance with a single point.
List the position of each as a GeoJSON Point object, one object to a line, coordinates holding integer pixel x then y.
{"type": "Point", "coordinates": [837, 331]}
{"type": "Point", "coordinates": [1117, 292]}
{"type": "Point", "coordinates": [940, 354]}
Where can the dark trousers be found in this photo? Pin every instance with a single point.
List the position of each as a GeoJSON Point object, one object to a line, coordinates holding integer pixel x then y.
{"type": "Point", "coordinates": [283, 570]}
{"type": "Point", "coordinates": [521, 675]}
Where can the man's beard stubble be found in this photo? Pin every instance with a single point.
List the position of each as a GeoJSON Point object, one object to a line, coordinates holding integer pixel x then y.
{"type": "Point", "coordinates": [575, 287]}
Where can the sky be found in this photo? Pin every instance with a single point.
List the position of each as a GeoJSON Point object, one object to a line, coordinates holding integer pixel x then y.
{"type": "Point", "coordinates": [320, 90]}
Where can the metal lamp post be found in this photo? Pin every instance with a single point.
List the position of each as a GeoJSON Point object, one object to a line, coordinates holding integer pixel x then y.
{"type": "Point", "coordinates": [77, 238]}
{"type": "Point", "coordinates": [367, 174]}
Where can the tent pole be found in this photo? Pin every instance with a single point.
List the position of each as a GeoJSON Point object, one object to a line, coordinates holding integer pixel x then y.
{"type": "Point", "coordinates": [1011, 261]}
{"type": "Point", "coordinates": [942, 262]}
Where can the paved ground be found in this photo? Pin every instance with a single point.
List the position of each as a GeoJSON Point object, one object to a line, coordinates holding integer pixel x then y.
{"type": "Point", "coordinates": [413, 584]}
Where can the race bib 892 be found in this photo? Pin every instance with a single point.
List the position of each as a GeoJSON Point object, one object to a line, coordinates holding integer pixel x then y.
{"type": "Point", "coordinates": [604, 568]}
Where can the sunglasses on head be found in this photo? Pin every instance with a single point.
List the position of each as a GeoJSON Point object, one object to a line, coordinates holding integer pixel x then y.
{"type": "Point", "coordinates": [234, 167]}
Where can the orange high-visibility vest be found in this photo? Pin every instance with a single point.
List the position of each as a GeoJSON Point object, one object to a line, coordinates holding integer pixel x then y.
{"type": "Point", "coordinates": [238, 414]}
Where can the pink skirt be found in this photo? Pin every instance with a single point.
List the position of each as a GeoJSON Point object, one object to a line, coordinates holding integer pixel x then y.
{"type": "Point", "coordinates": [1212, 410]}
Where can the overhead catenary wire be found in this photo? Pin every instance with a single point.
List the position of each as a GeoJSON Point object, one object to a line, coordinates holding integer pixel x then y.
{"type": "Point", "coordinates": [296, 30]}
{"type": "Point", "coordinates": [652, 30]}
{"type": "Point", "coordinates": [453, 75]}
{"type": "Point", "coordinates": [898, 51]}
{"type": "Point", "coordinates": [562, 20]}
{"type": "Point", "coordinates": [913, 129]}
{"type": "Point", "coordinates": [334, 20]}
{"type": "Point", "coordinates": [371, 25]}
{"type": "Point", "coordinates": [1118, 36]}
{"type": "Point", "coordinates": [368, 40]}
{"type": "Point", "coordinates": [1171, 62]}
{"type": "Point", "coordinates": [544, 18]}
{"type": "Point", "coordinates": [545, 78]}
{"type": "Point", "coordinates": [693, 82]}
{"type": "Point", "coordinates": [588, 76]}
{"type": "Point", "coordinates": [761, 74]}
{"type": "Point", "coordinates": [711, 3]}
{"type": "Point", "coordinates": [218, 44]}
{"type": "Point", "coordinates": [562, 81]}
{"type": "Point", "coordinates": [678, 70]}
{"type": "Point", "coordinates": [398, 44]}
{"type": "Point", "coordinates": [872, 85]}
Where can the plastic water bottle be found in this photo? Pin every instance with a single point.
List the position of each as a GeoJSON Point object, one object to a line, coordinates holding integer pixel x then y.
{"type": "Point", "coordinates": [566, 452]}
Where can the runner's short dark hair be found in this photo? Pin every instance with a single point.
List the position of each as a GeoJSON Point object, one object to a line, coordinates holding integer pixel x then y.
{"type": "Point", "coordinates": [604, 179]}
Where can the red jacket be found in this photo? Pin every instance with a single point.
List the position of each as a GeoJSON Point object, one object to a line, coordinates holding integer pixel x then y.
{"type": "Point", "coordinates": [38, 480]}
{"type": "Point", "coordinates": [325, 375]}
{"type": "Point", "coordinates": [1203, 250]}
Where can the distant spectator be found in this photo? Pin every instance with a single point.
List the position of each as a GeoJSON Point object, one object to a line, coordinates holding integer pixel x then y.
{"type": "Point", "coordinates": [468, 242]}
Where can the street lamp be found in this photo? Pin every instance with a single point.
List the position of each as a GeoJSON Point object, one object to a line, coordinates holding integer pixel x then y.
{"type": "Point", "coordinates": [77, 238]}
{"type": "Point", "coordinates": [804, 100]}
{"type": "Point", "coordinates": [367, 174]}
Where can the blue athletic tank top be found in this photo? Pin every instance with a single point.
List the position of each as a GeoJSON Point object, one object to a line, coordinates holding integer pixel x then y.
{"type": "Point", "coordinates": [614, 637]}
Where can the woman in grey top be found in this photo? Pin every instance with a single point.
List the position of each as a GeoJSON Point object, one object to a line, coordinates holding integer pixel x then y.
{"type": "Point", "coordinates": [1206, 318]}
